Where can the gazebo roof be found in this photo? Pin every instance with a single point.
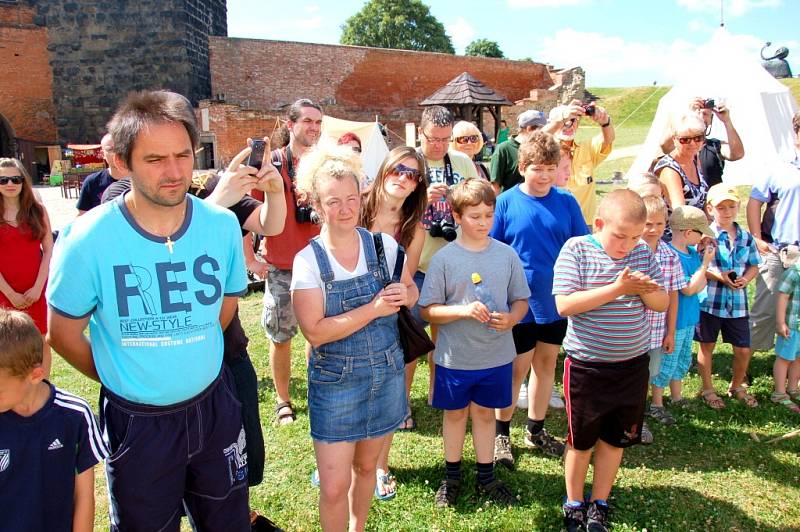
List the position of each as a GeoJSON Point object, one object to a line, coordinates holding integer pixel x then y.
{"type": "Point", "coordinates": [465, 89]}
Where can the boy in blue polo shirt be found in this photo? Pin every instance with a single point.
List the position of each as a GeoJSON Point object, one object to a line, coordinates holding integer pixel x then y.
{"type": "Point", "coordinates": [49, 440]}
{"type": "Point", "coordinates": [604, 283]}
{"type": "Point", "coordinates": [474, 348]}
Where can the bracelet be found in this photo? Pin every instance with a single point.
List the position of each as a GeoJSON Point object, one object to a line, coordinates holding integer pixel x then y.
{"type": "Point", "coordinates": [607, 123]}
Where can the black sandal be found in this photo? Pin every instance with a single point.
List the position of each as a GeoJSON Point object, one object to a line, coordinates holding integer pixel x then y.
{"type": "Point", "coordinates": [281, 417]}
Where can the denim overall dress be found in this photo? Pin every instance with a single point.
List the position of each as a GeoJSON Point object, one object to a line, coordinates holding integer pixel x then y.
{"type": "Point", "coordinates": [356, 385]}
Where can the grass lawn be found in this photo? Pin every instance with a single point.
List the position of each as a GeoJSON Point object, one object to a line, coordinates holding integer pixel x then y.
{"type": "Point", "coordinates": [706, 473]}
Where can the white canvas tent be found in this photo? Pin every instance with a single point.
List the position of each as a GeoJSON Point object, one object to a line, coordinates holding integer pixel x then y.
{"type": "Point", "coordinates": [373, 147]}
{"type": "Point", "coordinates": [761, 107]}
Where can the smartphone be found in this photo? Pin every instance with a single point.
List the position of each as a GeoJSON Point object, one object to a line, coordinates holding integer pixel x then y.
{"type": "Point", "coordinates": [257, 155]}
{"type": "Point", "coordinates": [732, 276]}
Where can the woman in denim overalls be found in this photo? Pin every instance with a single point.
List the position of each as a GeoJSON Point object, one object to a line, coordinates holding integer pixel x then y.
{"type": "Point", "coordinates": [356, 387]}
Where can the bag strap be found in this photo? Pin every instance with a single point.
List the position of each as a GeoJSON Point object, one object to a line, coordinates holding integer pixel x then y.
{"type": "Point", "coordinates": [398, 264]}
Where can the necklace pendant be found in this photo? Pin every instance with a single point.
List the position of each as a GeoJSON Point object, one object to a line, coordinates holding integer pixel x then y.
{"type": "Point", "coordinates": [169, 243]}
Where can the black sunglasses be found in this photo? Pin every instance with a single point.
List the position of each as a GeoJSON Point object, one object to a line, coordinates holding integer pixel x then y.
{"type": "Point", "coordinates": [15, 179]}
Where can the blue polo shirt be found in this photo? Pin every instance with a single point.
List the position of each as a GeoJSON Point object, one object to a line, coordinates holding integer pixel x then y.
{"type": "Point", "coordinates": [154, 311]}
{"type": "Point", "coordinates": [783, 181]}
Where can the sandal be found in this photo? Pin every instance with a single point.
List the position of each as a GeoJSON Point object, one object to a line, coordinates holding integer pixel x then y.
{"type": "Point", "coordinates": [740, 393]}
{"type": "Point", "coordinates": [385, 485]}
{"type": "Point", "coordinates": [712, 399]}
{"type": "Point", "coordinates": [680, 403]}
{"type": "Point", "coordinates": [785, 400]}
{"type": "Point", "coordinates": [286, 417]}
{"type": "Point", "coordinates": [794, 394]}
{"type": "Point", "coordinates": [408, 424]}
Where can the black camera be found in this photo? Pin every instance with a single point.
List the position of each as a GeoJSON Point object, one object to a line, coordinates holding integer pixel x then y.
{"type": "Point", "coordinates": [305, 214]}
{"type": "Point", "coordinates": [589, 108]}
{"type": "Point", "coordinates": [709, 103]}
{"type": "Point", "coordinates": [443, 228]}
{"type": "Point", "coordinates": [732, 275]}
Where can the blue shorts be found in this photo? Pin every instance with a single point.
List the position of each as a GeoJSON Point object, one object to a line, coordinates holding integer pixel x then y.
{"type": "Point", "coordinates": [788, 348]}
{"type": "Point", "coordinates": [454, 389]}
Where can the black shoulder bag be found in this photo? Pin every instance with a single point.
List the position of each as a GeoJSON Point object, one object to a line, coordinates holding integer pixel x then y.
{"type": "Point", "coordinates": [413, 338]}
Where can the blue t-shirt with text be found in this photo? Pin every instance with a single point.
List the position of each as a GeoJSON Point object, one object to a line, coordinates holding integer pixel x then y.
{"type": "Point", "coordinates": [154, 311]}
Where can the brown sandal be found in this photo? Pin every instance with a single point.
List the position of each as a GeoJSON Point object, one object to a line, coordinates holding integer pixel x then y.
{"type": "Point", "coordinates": [712, 399]}
{"type": "Point", "coordinates": [740, 393]}
{"type": "Point", "coordinates": [286, 417]}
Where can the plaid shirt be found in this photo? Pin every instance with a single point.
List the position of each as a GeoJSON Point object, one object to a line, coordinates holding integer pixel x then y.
{"type": "Point", "coordinates": [674, 279]}
{"type": "Point", "coordinates": [790, 284]}
{"type": "Point", "coordinates": [723, 301]}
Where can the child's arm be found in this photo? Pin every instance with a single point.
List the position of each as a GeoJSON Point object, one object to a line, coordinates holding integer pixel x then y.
{"type": "Point", "coordinates": [749, 274]}
{"type": "Point", "coordinates": [440, 314]}
{"type": "Point", "coordinates": [672, 318]}
{"type": "Point", "coordinates": [698, 280]}
{"type": "Point", "coordinates": [504, 321]}
{"type": "Point", "coordinates": [627, 283]}
{"type": "Point", "coordinates": [83, 513]}
{"type": "Point", "coordinates": [780, 315]}
{"type": "Point", "coordinates": [657, 300]}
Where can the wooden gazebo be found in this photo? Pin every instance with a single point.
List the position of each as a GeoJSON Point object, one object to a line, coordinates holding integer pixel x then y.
{"type": "Point", "coordinates": [466, 97]}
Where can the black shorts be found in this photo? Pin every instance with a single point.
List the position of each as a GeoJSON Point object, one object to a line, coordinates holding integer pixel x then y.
{"type": "Point", "coordinates": [605, 400]}
{"type": "Point", "coordinates": [735, 331]}
{"type": "Point", "coordinates": [526, 335]}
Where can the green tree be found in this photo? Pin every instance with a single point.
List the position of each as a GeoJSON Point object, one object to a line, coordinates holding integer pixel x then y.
{"type": "Point", "coordinates": [484, 48]}
{"type": "Point", "coordinates": [403, 24]}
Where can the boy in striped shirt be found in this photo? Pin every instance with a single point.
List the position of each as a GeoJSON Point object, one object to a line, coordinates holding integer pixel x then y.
{"type": "Point", "coordinates": [604, 283]}
{"type": "Point", "coordinates": [49, 440]}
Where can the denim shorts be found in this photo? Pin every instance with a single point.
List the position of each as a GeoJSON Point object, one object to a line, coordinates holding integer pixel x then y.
{"type": "Point", "coordinates": [352, 398]}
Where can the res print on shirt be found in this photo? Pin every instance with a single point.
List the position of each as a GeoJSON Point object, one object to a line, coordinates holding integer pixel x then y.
{"type": "Point", "coordinates": [154, 311]}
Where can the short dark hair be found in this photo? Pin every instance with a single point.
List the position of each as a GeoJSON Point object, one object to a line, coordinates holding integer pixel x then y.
{"type": "Point", "coordinates": [436, 115]}
{"type": "Point", "coordinates": [294, 111]}
{"type": "Point", "coordinates": [143, 108]}
{"type": "Point", "coordinates": [20, 343]}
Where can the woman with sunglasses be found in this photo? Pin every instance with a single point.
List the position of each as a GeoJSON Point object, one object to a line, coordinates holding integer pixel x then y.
{"type": "Point", "coordinates": [394, 204]}
{"type": "Point", "coordinates": [467, 139]}
{"type": "Point", "coordinates": [26, 245]}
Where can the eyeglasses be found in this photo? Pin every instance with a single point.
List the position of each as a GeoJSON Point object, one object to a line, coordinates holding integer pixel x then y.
{"type": "Point", "coordinates": [356, 149]}
{"type": "Point", "coordinates": [468, 139]}
{"type": "Point", "coordinates": [687, 140]}
{"type": "Point", "coordinates": [436, 140]}
{"type": "Point", "coordinates": [15, 179]}
{"type": "Point", "coordinates": [412, 174]}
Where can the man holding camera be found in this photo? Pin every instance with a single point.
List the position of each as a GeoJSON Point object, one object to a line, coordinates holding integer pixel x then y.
{"type": "Point", "coordinates": [504, 171]}
{"type": "Point", "coordinates": [579, 160]}
{"type": "Point", "coordinates": [304, 122]}
{"type": "Point", "coordinates": [714, 152]}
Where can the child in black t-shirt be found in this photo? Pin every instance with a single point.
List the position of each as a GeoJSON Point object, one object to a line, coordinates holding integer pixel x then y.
{"type": "Point", "coordinates": [49, 440]}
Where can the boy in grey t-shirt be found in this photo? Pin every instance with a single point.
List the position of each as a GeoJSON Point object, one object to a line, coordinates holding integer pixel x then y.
{"type": "Point", "coordinates": [475, 290]}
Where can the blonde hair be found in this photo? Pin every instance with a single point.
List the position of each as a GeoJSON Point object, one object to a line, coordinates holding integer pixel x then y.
{"type": "Point", "coordinates": [462, 129]}
{"type": "Point", "coordinates": [688, 123]}
{"type": "Point", "coordinates": [622, 205]}
{"type": "Point", "coordinates": [326, 160]}
{"type": "Point", "coordinates": [655, 205]}
{"type": "Point", "coordinates": [637, 182]}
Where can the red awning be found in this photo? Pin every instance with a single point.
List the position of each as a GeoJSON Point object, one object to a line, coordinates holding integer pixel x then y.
{"type": "Point", "coordinates": [83, 147]}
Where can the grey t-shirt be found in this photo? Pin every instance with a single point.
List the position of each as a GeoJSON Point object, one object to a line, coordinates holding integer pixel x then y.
{"type": "Point", "coordinates": [466, 343]}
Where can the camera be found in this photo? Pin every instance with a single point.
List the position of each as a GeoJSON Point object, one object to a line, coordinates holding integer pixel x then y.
{"type": "Point", "coordinates": [588, 108]}
{"type": "Point", "coordinates": [709, 103]}
{"type": "Point", "coordinates": [732, 276]}
{"type": "Point", "coordinates": [305, 214]}
{"type": "Point", "coordinates": [443, 228]}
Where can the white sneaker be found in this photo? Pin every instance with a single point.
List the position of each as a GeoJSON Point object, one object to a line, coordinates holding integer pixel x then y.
{"type": "Point", "coordinates": [555, 400]}
{"type": "Point", "coordinates": [522, 401]}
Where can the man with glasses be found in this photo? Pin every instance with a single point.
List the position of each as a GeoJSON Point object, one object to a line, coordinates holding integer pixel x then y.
{"type": "Point", "coordinates": [95, 184]}
{"type": "Point", "coordinates": [504, 171]}
{"type": "Point", "coordinates": [715, 152]}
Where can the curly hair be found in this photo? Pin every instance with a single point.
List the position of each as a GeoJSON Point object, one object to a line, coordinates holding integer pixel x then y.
{"type": "Point", "coordinates": [540, 148]}
{"type": "Point", "coordinates": [326, 160]}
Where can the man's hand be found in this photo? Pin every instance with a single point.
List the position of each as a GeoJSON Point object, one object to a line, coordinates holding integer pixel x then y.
{"type": "Point", "coordinates": [722, 112]}
{"type": "Point", "coordinates": [436, 192]}
{"type": "Point", "coordinates": [258, 268]}
{"type": "Point", "coordinates": [762, 246]}
{"type": "Point", "coordinates": [269, 178]}
{"type": "Point", "coordinates": [600, 115]}
{"type": "Point", "coordinates": [236, 181]}
{"type": "Point", "coordinates": [477, 311]}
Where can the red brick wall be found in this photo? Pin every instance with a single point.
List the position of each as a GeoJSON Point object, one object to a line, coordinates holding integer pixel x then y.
{"type": "Point", "coordinates": [26, 91]}
{"type": "Point", "coordinates": [354, 82]}
{"type": "Point", "coordinates": [229, 127]}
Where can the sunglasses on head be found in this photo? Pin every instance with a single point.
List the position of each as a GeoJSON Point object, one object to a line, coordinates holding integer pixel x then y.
{"type": "Point", "coordinates": [687, 140]}
{"type": "Point", "coordinates": [468, 139]}
{"type": "Point", "coordinates": [15, 179]}
{"type": "Point", "coordinates": [412, 174]}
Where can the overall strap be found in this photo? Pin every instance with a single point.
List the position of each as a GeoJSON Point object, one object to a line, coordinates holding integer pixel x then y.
{"type": "Point", "coordinates": [381, 254]}
{"type": "Point", "coordinates": [325, 270]}
{"type": "Point", "coordinates": [398, 264]}
{"type": "Point", "coordinates": [370, 250]}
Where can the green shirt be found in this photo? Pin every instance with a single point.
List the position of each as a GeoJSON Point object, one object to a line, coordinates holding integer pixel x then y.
{"type": "Point", "coordinates": [504, 169]}
{"type": "Point", "coordinates": [502, 136]}
{"type": "Point", "coordinates": [790, 284]}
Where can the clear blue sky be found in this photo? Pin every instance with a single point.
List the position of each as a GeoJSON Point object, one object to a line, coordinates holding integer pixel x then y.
{"type": "Point", "coordinates": [619, 43]}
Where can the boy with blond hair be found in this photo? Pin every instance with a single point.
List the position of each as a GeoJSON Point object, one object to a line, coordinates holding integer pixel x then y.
{"type": "Point", "coordinates": [603, 283]}
{"type": "Point", "coordinates": [49, 439]}
{"type": "Point", "coordinates": [473, 279]}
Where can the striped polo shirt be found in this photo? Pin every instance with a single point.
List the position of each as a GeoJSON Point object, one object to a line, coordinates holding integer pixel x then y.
{"type": "Point", "coordinates": [617, 330]}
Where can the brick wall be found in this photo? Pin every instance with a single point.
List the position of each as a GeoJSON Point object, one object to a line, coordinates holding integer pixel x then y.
{"type": "Point", "coordinates": [26, 91]}
{"type": "Point", "coordinates": [229, 127]}
{"type": "Point", "coordinates": [354, 82]}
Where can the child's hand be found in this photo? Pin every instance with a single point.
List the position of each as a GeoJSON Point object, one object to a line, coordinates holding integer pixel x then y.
{"type": "Point", "coordinates": [634, 283]}
{"type": "Point", "coordinates": [668, 345]}
{"type": "Point", "coordinates": [501, 321]}
{"type": "Point", "coordinates": [477, 311]}
{"type": "Point", "coordinates": [726, 280]}
{"type": "Point", "coordinates": [782, 329]}
{"type": "Point", "coordinates": [740, 283]}
{"type": "Point", "coordinates": [708, 255]}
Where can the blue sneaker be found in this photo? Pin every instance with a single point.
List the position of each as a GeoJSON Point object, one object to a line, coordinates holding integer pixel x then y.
{"type": "Point", "coordinates": [315, 478]}
{"type": "Point", "coordinates": [574, 516]}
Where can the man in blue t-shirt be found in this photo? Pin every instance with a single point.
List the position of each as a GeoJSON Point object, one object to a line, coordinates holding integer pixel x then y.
{"type": "Point", "coordinates": [156, 293]}
{"type": "Point", "coordinates": [95, 184]}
